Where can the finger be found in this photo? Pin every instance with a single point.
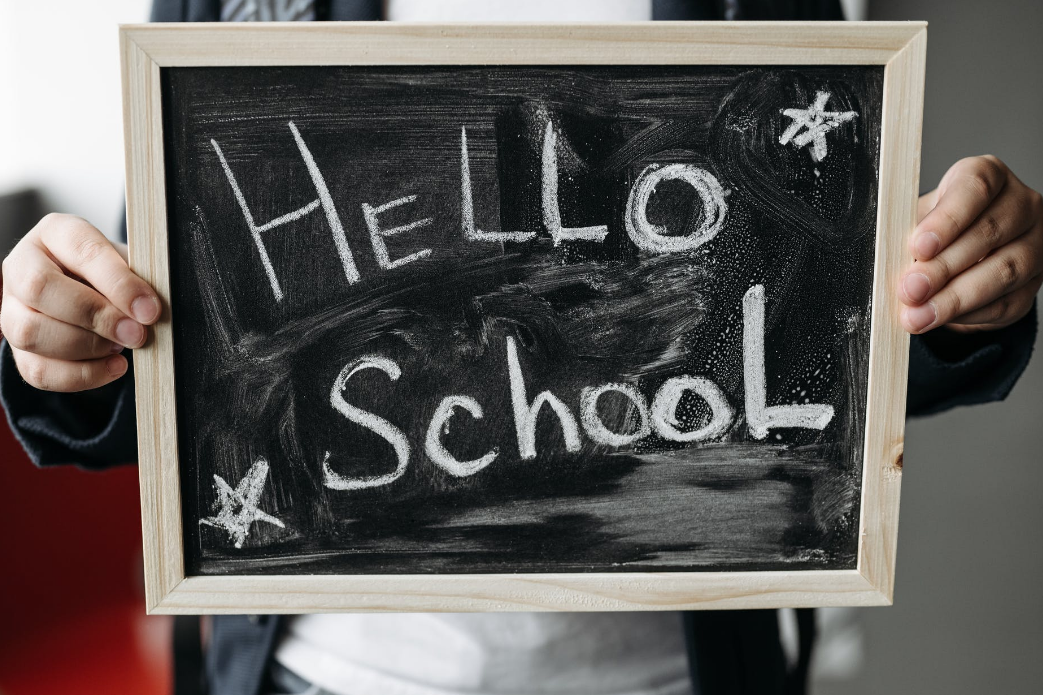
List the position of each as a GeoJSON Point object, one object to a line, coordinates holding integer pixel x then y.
{"type": "Point", "coordinates": [85, 252]}
{"type": "Point", "coordinates": [966, 190]}
{"type": "Point", "coordinates": [49, 374]}
{"type": "Point", "coordinates": [1003, 311]}
{"type": "Point", "coordinates": [39, 284]}
{"type": "Point", "coordinates": [1007, 269]}
{"type": "Point", "coordinates": [1007, 218]}
{"type": "Point", "coordinates": [31, 331]}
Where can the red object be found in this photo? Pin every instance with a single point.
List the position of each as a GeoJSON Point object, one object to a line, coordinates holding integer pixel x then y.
{"type": "Point", "coordinates": [72, 614]}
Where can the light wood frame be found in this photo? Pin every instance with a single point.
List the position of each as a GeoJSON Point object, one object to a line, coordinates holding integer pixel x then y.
{"type": "Point", "coordinates": [901, 47]}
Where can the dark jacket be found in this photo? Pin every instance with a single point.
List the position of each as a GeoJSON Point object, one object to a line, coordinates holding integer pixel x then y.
{"type": "Point", "coordinates": [730, 651]}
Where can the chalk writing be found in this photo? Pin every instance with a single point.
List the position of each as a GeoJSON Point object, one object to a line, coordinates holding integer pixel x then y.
{"type": "Point", "coordinates": [372, 422]}
{"type": "Point", "coordinates": [521, 318]}
{"type": "Point", "coordinates": [238, 509]}
{"type": "Point", "coordinates": [376, 234]}
{"type": "Point", "coordinates": [467, 204]}
{"type": "Point", "coordinates": [660, 417]}
{"type": "Point", "coordinates": [437, 452]}
{"type": "Point", "coordinates": [551, 213]}
{"type": "Point", "coordinates": [653, 237]}
{"type": "Point", "coordinates": [647, 236]}
{"type": "Point", "coordinates": [815, 122]}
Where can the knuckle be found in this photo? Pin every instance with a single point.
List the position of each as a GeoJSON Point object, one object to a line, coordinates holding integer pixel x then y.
{"type": "Point", "coordinates": [123, 283]}
{"type": "Point", "coordinates": [25, 334]}
{"type": "Point", "coordinates": [965, 166]}
{"type": "Point", "coordinates": [999, 310]}
{"type": "Point", "coordinates": [994, 169]}
{"type": "Point", "coordinates": [34, 371]}
{"type": "Point", "coordinates": [1036, 204]}
{"type": "Point", "coordinates": [34, 285]}
{"type": "Point", "coordinates": [990, 230]}
{"type": "Point", "coordinates": [52, 219]}
{"type": "Point", "coordinates": [87, 248]}
{"type": "Point", "coordinates": [955, 227]}
{"type": "Point", "coordinates": [86, 378]}
{"type": "Point", "coordinates": [56, 225]}
{"type": "Point", "coordinates": [996, 165]}
{"type": "Point", "coordinates": [938, 271]}
{"type": "Point", "coordinates": [1008, 271]}
{"type": "Point", "coordinates": [980, 183]}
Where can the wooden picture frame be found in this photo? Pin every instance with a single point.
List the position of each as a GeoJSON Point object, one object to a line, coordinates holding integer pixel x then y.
{"type": "Point", "coordinates": [146, 49]}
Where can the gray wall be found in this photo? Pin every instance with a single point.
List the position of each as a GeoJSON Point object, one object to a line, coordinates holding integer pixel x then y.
{"type": "Point", "coordinates": [968, 613]}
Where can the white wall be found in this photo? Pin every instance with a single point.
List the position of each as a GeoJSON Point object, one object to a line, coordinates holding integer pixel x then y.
{"type": "Point", "coordinates": [60, 106]}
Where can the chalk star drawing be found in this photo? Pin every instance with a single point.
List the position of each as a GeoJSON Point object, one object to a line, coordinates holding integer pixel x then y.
{"type": "Point", "coordinates": [818, 122]}
{"type": "Point", "coordinates": [238, 507]}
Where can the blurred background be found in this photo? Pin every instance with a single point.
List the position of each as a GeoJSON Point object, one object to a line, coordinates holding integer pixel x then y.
{"type": "Point", "coordinates": [968, 613]}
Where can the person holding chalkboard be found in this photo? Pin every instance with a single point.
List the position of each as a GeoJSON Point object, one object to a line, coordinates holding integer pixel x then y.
{"type": "Point", "coordinates": [72, 307]}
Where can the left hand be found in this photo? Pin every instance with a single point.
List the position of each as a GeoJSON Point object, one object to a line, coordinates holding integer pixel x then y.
{"type": "Point", "coordinates": [978, 249]}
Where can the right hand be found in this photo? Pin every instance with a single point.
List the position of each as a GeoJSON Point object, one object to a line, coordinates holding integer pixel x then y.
{"type": "Point", "coordinates": [71, 304]}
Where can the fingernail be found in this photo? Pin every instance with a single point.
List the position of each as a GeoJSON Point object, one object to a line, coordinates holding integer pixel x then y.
{"type": "Point", "coordinates": [145, 309]}
{"type": "Point", "coordinates": [115, 348]}
{"type": "Point", "coordinates": [116, 365]}
{"type": "Point", "coordinates": [917, 287]}
{"type": "Point", "coordinates": [130, 333]}
{"type": "Point", "coordinates": [921, 317]}
{"type": "Point", "coordinates": [927, 245]}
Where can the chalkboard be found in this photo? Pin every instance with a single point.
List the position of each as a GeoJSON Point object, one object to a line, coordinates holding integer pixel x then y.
{"type": "Point", "coordinates": [493, 319]}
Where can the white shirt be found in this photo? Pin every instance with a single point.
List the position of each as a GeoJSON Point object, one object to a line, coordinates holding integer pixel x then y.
{"type": "Point", "coordinates": [515, 11]}
{"type": "Point", "coordinates": [490, 653]}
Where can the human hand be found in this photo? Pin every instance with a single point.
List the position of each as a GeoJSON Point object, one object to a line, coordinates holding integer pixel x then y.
{"type": "Point", "coordinates": [71, 304]}
{"type": "Point", "coordinates": [978, 249]}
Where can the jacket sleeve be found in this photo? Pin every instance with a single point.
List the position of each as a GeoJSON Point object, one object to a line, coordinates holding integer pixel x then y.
{"type": "Point", "coordinates": [93, 429]}
{"type": "Point", "coordinates": [948, 369]}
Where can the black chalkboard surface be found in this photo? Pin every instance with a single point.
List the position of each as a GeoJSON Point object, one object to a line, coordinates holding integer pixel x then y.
{"type": "Point", "coordinates": [578, 317]}
{"type": "Point", "coordinates": [508, 319]}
